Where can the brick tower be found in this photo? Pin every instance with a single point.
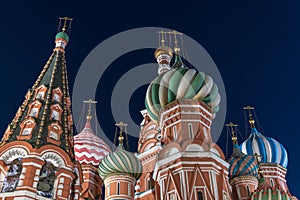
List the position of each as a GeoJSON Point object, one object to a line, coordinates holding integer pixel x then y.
{"type": "Point", "coordinates": [120, 170]}
{"type": "Point", "coordinates": [181, 103]}
{"type": "Point", "coordinates": [89, 150]}
{"type": "Point", "coordinates": [36, 152]}
{"type": "Point", "coordinates": [243, 169]}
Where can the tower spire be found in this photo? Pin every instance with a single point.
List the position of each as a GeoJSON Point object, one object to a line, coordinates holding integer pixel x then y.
{"type": "Point", "coordinates": [251, 120]}
{"type": "Point", "coordinates": [45, 115]}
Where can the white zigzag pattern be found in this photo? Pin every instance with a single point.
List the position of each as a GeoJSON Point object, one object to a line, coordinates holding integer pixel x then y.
{"type": "Point", "coordinates": [90, 155]}
{"type": "Point", "coordinates": [98, 148]}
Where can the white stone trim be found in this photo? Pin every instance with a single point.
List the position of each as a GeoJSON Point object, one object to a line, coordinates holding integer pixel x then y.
{"type": "Point", "coordinates": [183, 106]}
{"type": "Point", "coordinates": [146, 153]}
{"type": "Point", "coordinates": [192, 155]}
{"type": "Point", "coordinates": [187, 120]}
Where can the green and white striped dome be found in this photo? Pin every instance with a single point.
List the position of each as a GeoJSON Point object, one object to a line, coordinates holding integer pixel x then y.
{"type": "Point", "coordinates": [181, 83]}
{"type": "Point", "coordinates": [120, 162]}
{"type": "Point", "coordinates": [265, 191]}
{"type": "Point", "coordinates": [270, 194]}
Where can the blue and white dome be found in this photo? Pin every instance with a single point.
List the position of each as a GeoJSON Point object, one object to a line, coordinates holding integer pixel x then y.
{"type": "Point", "coordinates": [241, 164]}
{"type": "Point", "coordinates": [270, 150]}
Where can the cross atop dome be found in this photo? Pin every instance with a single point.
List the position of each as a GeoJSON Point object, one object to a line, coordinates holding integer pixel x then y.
{"type": "Point", "coordinates": [89, 102]}
{"type": "Point", "coordinates": [251, 120]}
{"type": "Point", "coordinates": [233, 135]}
{"type": "Point", "coordinates": [67, 22]}
{"type": "Point", "coordinates": [121, 138]}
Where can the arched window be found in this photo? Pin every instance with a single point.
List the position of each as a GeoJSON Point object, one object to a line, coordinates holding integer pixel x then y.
{"type": "Point", "coordinates": [47, 179]}
{"type": "Point", "coordinates": [27, 127]}
{"type": "Point", "coordinates": [57, 95]}
{"type": "Point", "coordinates": [238, 192]}
{"type": "Point", "coordinates": [190, 128]}
{"type": "Point", "coordinates": [248, 190]}
{"type": "Point", "coordinates": [34, 108]}
{"type": "Point", "coordinates": [175, 133]}
{"type": "Point", "coordinates": [56, 112]}
{"type": "Point", "coordinates": [129, 189]}
{"type": "Point", "coordinates": [148, 184]}
{"type": "Point", "coordinates": [11, 180]}
{"type": "Point", "coordinates": [205, 132]}
{"type": "Point", "coordinates": [108, 190]}
{"type": "Point", "coordinates": [172, 196]}
{"type": "Point", "coordinates": [40, 92]}
{"type": "Point", "coordinates": [118, 188]}
{"type": "Point", "coordinates": [199, 195]}
{"type": "Point", "coordinates": [54, 132]}
{"type": "Point", "coordinates": [272, 182]}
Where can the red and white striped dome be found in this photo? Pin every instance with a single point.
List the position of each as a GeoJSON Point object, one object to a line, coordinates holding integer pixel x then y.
{"type": "Point", "coordinates": [89, 148]}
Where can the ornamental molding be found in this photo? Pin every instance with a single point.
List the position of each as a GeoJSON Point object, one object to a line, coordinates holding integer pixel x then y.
{"type": "Point", "coordinates": [54, 158]}
{"type": "Point", "coordinates": [13, 153]}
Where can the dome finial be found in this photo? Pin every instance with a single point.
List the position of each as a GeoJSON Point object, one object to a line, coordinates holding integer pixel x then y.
{"type": "Point", "coordinates": [251, 120]}
{"type": "Point", "coordinates": [121, 137]}
{"type": "Point", "coordinates": [163, 53]}
{"type": "Point", "coordinates": [63, 32]}
{"type": "Point", "coordinates": [233, 135]}
{"type": "Point", "coordinates": [90, 102]}
{"type": "Point", "coordinates": [67, 23]}
{"type": "Point", "coordinates": [176, 48]}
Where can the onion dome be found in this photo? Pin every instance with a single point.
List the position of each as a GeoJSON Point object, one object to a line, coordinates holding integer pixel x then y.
{"type": "Point", "coordinates": [163, 50]}
{"type": "Point", "coordinates": [265, 191]}
{"type": "Point", "coordinates": [62, 35]}
{"type": "Point", "coordinates": [240, 164]}
{"type": "Point", "coordinates": [120, 162]}
{"type": "Point", "coordinates": [180, 83]}
{"type": "Point", "coordinates": [271, 151]}
{"type": "Point", "coordinates": [89, 148]}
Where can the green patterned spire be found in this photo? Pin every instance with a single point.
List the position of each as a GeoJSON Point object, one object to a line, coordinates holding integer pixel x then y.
{"type": "Point", "coordinates": [45, 115]}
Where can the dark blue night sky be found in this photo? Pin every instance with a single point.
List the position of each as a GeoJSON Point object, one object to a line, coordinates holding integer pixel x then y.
{"type": "Point", "coordinates": [255, 44]}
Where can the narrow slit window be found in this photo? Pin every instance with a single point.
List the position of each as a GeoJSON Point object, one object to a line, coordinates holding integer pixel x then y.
{"type": "Point", "coordinates": [190, 127]}
{"type": "Point", "coordinates": [200, 195]}
{"type": "Point", "coordinates": [118, 188]}
{"type": "Point", "coordinates": [175, 133]}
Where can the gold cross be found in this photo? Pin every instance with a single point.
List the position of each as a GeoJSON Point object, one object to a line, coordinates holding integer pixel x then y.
{"type": "Point", "coordinates": [233, 136]}
{"type": "Point", "coordinates": [121, 125]}
{"type": "Point", "coordinates": [90, 102]}
{"type": "Point", "coordinates": [66, 19]}
{"type": "Point", "coordinates": [251, 120]}
{"type": "Point", "coordinates": [249, 108]}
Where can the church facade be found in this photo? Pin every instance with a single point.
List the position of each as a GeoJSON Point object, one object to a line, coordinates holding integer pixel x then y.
{"type": "Point", "coordinates": [42, 158]}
